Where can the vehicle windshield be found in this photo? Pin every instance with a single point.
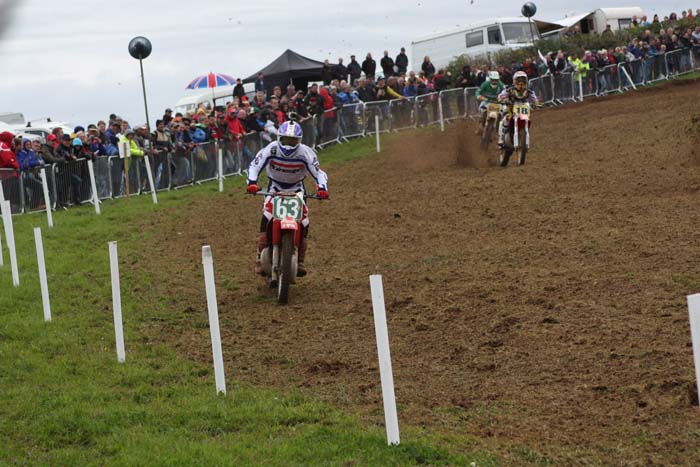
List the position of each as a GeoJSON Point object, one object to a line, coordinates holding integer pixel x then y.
{"type": "Point", "coordinates": [519, 33]}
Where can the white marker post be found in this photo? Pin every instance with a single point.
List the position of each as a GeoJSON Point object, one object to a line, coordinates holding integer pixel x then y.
{"type": "Point", "coordinates": [47, 198]}
{"type": "Point", "coordinates": [149, 174]}
{"type": "Point", "coordinates": [580, 86]}
{"type": "Point", "coordinates": [93, 184]}
{"type": "Point", "coordinates": [630, 78]}
{"type": "Point", "coordinates": [382, 334]}
{"type": "Point", "coordinates": [10, 237]}
{"type": "Point", "coordinates": [2, 193]}
{"type": "Point", "coordinates": [220, 162]}
{"type": "Point", "coordinates": [208, 263]}
{"type": "Point", "coordinates": [117, 301]}
{"type": "Point", "coordinates": [376, 127]}
{"type": "Point", "coordinates": [442, 116]}
{"type": "Point", "coordinates": [42, 274]}
{"type": "Point", "coordinates": [694, 312]}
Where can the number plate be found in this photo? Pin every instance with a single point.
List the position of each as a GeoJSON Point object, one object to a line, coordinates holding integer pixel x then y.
{"type": "Point", "coordinates": [284, 207]}
{"type": "Point", "coordinates": [522, 109]}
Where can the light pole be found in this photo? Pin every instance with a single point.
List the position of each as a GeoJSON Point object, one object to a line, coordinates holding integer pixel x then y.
{"type": "Point", "coordinates": [528, 10]}
{"type": "Point", "coordinates": [140, 48]}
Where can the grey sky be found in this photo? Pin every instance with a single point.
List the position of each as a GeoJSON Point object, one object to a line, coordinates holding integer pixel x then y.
{"type": "Point", "coordinates": [68, 60]}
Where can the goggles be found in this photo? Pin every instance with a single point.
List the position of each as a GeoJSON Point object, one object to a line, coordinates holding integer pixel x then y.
{"type": "Point", "coordinates": [289, 141]}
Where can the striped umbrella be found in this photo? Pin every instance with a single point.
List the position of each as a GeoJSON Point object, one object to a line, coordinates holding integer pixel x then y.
{"type": "Point", "coordinates": [211, 80]}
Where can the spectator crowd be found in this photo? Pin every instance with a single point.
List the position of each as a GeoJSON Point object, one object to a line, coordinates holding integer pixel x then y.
{"type": "Point", "coordinates": [340, 85]}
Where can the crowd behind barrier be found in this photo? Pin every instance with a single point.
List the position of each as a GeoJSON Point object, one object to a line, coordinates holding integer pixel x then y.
{"type": "Point", "coordinates": [184, 149]}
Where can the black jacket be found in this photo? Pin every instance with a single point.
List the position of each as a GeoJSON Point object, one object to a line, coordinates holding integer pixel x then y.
{"type": "Point", "coordinates": [369, 66]}
{"type": "Point", "coordinates": [326, 74]}
{"type": "Point", "coordinates": [402, 62]}
{"type": "Point", "coordinates": [341, 72]}
{"type": "Point", "coordinates": [387, 66]}
{"type": "Point", "coordinates": [238, 91]}
{"type": "Point", "coordinates": [354, 69]}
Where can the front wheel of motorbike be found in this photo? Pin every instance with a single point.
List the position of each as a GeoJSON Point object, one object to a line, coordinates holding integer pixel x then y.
{"type": "Point", "coordinates": [506, 152]}
{"type": "Point", "coordinates": [522, 153]}
{"type": "Point", "coordinates": [487, 135]}
{"type": "Point", "coordinates": [284, 277]}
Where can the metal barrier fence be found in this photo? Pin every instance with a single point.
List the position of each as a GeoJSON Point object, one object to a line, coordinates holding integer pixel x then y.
{"type": "Point", "coordinates": [403, 113]}
{"type": "Point", "coordinates": [329, 129]}
{"type": "Point", "coordinates": [69, 182]}
{"type": "Point", "coordinates": [381, 109]}
{"type": "Point", "coordinates": [454, 104]}
{"type": "Point", "coordinates": [350, 121]}
{"type": "Point", "coordinates": [427, 109]}
{"type": "Point", "coordinates": [72, 183]}
{"type": "Point", "coordinates": [13, 189]}
{"type": "Point", "coordinates": [563, 85]}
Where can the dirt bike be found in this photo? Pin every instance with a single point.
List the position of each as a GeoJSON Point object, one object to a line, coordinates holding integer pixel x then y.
{"type": "Point", "coordinates": [493, 113]}
{"type": "Point", "coordinates": [284, 234]}
{"type": "Point", "coordinates": [517, 137]}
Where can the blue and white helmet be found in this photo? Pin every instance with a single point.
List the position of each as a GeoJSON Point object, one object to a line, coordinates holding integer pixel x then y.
{"type": "Point", "coordinates": [288, 137]}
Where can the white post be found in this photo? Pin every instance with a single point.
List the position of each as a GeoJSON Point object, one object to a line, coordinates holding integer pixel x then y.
{"type": "Point", "coordinates": [442, 117]}
{"type": "Point", "coordinates": [2, 193]}
{"type": "Point", "coordinates": [376, 128]}
{"type": "Point", "coordinates": [382, 334]}
{"type": "Point", "coordinates": [220, 162]}
{"type": "Point", "coordinates": [42, 274]}
{"type": "Point", "coordinates": [694, 312]}
{"type": "Point", "coordinates": [580, 86]}
{"type": "Point", "coordinates": [10, 237]}
{"type": "Point", "coordinates": [628, 77]}
{"type": "Point", "coordinates": [2, 261]}
{"type": "Point", "coordinates": [208, 263]}
{"type": "Point", "coordinates": [47, 198]}
{"type": "Point", "coordinates": [149, 174]}
{"type": "Point", "coordinates": [95, 198]}
{"type": "Point", "coordinates": [117, 301]}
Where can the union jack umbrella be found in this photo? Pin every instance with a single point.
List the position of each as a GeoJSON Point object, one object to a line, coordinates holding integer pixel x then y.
{"type": "Point", "coordinates": [211, 80]}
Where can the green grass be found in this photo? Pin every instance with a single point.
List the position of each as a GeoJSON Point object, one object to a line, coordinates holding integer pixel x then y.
{"type": "Point", "coordinates": [66, 401]}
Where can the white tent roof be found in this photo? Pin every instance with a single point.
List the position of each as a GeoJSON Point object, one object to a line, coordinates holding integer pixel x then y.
{"type": "Point", "coordinates": [571, 20]}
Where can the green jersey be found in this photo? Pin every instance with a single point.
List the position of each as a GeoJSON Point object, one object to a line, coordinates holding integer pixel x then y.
{"type": "Point", "coordinates": [489, 92]}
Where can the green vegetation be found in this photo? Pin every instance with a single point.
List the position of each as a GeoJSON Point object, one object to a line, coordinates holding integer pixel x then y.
{"type": "Point", "coordinates": [66, 400]}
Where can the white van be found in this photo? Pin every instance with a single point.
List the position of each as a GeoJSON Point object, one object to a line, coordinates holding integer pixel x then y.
{"type": "Point", "coordinates": [478, 40]}
{"type": "Point", "coordinates": [598, 20]}
{"type": "Point", "coordinates": [211, 97]}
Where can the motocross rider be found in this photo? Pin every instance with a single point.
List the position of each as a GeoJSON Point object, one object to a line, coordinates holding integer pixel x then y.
{"type": "Point", "coordinates": [519, 92]}
{"type": "Point", "coordinates": [287, 162]}
{"type": "Point", "coordinates": [488, 92]}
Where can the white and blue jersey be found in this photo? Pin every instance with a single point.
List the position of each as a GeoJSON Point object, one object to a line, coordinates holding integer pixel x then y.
{"type": "Point", "coordinates": [287, 173]}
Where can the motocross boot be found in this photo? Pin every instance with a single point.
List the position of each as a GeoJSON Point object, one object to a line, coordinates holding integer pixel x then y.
{"type": "Point", "coordinates": [262, 244]}
{"type": "Point", "coordinates": [502, 132]}
{"type": "Point", "coordinates": [301, 254]}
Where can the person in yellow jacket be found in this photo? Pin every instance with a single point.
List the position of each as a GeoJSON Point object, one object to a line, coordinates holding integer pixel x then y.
{"type": "Point", "coordinates": [137, 169]}
{"type": "Point", "coordinates": [128, 135]}
{"type": "Point", "coordinates": [579, 66]}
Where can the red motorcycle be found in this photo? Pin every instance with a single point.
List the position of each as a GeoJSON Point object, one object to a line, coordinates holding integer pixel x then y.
{"type": "Point", "coordinates": [279, 260]}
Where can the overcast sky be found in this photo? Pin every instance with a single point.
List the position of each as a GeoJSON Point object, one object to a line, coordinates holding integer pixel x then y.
{"type": "Point", "coordinates": [68, 59]}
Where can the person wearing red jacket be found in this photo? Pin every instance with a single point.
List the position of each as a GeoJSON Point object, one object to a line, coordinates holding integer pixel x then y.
{"type": "Point", "coordinates": [235, 127]}
{"type": "Point", "coordinates": [8, 160]}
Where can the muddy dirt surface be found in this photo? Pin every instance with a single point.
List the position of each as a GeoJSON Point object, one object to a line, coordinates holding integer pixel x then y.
{"type": "Point", "coordinates": [537, 309]}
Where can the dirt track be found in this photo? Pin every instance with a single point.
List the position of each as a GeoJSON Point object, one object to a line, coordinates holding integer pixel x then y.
{"type": "Point", "coordinates": [538, 308]}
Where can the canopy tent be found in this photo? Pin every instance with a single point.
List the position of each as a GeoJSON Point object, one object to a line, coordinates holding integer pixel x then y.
{"type": "Point", "coordinates": [289, 67]}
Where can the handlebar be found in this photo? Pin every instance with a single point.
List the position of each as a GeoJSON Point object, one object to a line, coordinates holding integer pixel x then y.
{"type": "Point", "coordinates": [285, 193]}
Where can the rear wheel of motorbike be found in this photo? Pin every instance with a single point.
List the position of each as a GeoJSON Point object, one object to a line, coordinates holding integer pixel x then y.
{"type": "Point", "coordinates": [487, 135]}
{"type": "Point", "coordinates": [285, 273]}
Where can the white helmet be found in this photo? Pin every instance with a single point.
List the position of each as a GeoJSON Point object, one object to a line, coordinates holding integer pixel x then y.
{"type": "Point", "coordinates": [494, 76]}
{"type": "Point", "coordinates": [520, 76]}
{"type": "Point", "coordinates": [289, 136]}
